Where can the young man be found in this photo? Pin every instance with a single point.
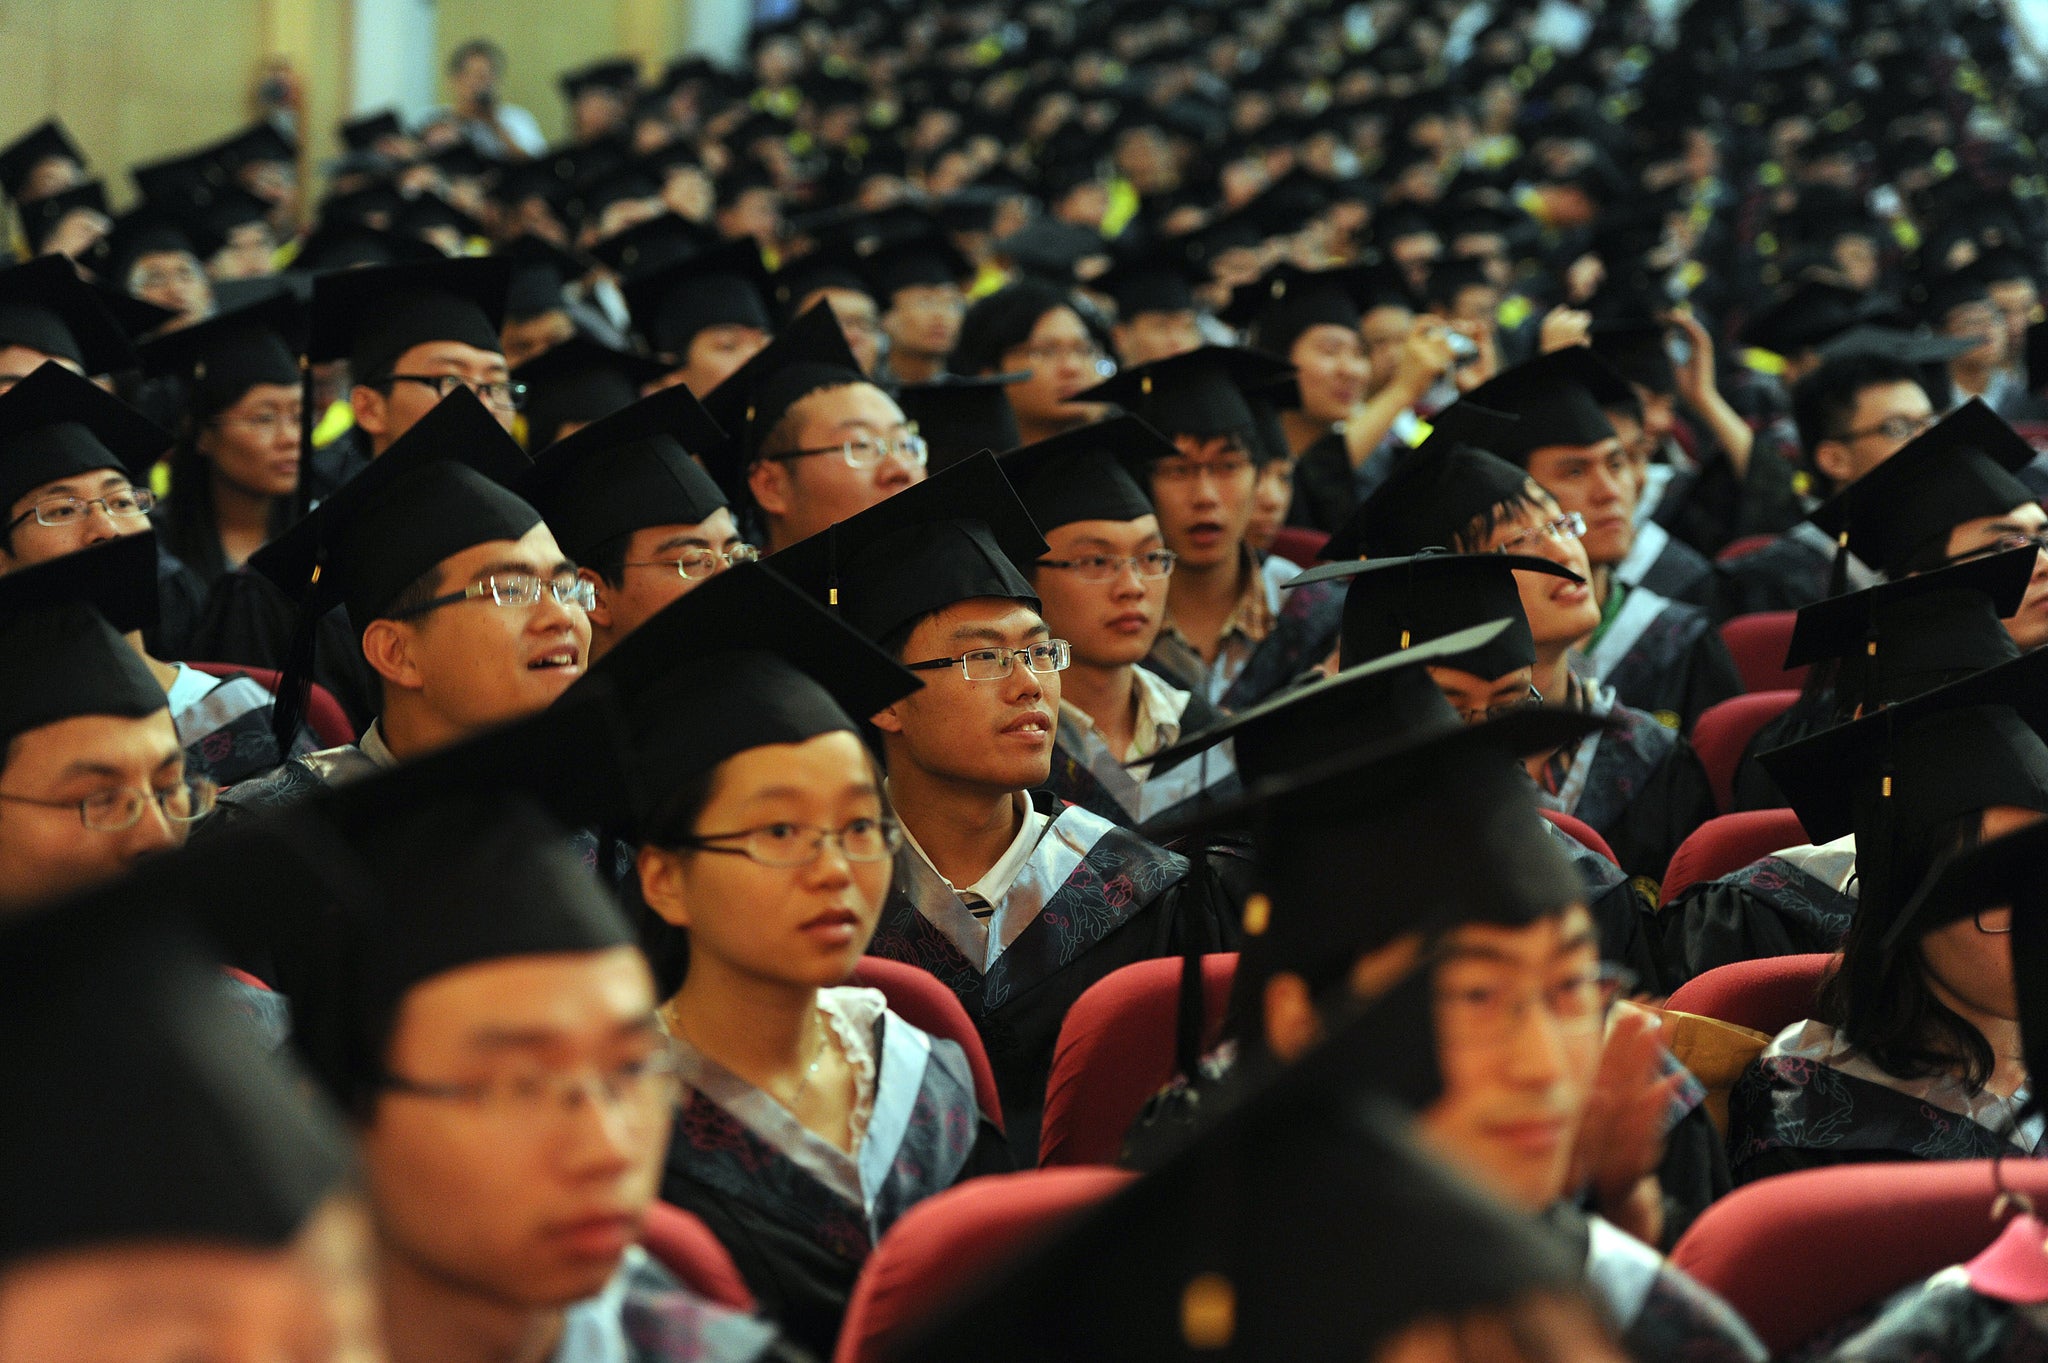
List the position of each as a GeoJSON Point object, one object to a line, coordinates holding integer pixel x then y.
{"type": "Point", "coordinates": [1157, 316]}
{"type": "Point", "coordinates": [1018, 904]}
{"type": "Point", "coordinates": [461, 601]}
{"type": "Point", "coordinates": [707, 313]}
{"type": "Point", "coordinates": [637, 514]}
{"type": "Point", "coordinates": [1229, 636]}
{"type": "Point", "coordinates": [1102, 587]}
{"type": "Point", "coordinates": [921, 283]}
{"type": "Point", "coordinates": [832, 275]}
{"type": "Point", "coordinates": [810, 441]}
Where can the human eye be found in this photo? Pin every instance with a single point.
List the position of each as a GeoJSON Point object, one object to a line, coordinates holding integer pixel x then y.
{"type": "Point", "coordinates": [124, 501]}
{"type": "Point", "coordinates": [59, 510]}
{"type": "Point", "coordinates": [984, 657]}
{"type": "Point", "coordinates": [527, 1088]}
{"type": "Point", "coordinates": [514, 588]}
{"type": "Point", "coordinates": [112, 803]}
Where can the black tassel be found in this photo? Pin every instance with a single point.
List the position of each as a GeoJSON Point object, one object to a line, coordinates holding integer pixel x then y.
{"type": "Point", "coordinates": [295, 677]}
{"type": "Point", "coordinates": [302, 495]}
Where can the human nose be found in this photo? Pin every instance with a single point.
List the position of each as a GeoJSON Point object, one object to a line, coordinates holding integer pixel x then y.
{"type": "Point", "coordinates": [1535, 1045]}
{"type": "Point", "coordinates": [153, 831]}
{"type": "Point", "coordinates": [1127, 580]}
{"type": "Point", "coordinates": [602, 1132]}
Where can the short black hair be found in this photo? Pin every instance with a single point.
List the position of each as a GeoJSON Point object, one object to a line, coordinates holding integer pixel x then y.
{"type": "Point", "coordinates": [477, 47]}
{"type": "Point", "coordinates": [608, 560]}
{"type": "Point", "coordinates": [999, 323]}
{"type": "Point", "coordinates": [416, 594]}
{"type": "Point", "coordinates": [1824, 402]}
{"type": "Point", "coordinates": [1472, 539]}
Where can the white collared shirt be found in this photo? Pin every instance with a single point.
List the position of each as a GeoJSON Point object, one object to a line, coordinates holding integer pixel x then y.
{"type": "Point", "coordinates": [984, 894]}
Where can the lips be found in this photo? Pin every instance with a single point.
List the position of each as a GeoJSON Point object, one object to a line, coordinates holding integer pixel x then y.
{"type": "Point", "coordinates": [1536, 1136]}
{"type": "Point", "coordinates": [1205, 533]}
{"type": "Point", "coordinates": [1569, 593]}
{"type": "Point", "coordinates": [566, 658]}
{"type": "Point", "coordinates": [597, 1238]}
{"type": "Point", "coordinates": [1033, 725]}
{"type": "Point", "coordinates": [1131, 622]}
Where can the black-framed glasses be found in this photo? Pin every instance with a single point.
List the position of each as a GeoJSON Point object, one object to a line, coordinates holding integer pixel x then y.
{"type": "Point", "coordinates": [504, 394]}
{"type": "Point", "coordinates": [128, 504]}
{"type": "Point", "coordinates": [697, 564]}
{"type": "Point", "coordinates": [1899, 428]}
{"type": "Point", "coordinates": [1488, 1016]}
{"type": "Point", "coordinates": [787, 845]}
{"type": "Point", "coordinates": [1534, 697]}
{"type": "Point", "coordinates": [117, 811]}
{"type": "Point", "coordinates": [512, 589]}
{"type": "Point", "coordinates": [2004, 544]}
{"type": "Point", "coordinates": [640, 1090]}
{"type": "Point", "coordinates": [1108, 567]}
{"type": "Point", "coordinates": [866, 452]}
{"type": "Point", "coordinates": [1570, 526]}
{"type": "Point", "coordinates": [996, 664]}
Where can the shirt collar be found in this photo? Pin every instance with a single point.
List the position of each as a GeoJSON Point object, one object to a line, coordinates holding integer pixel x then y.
{"type": "Point", "coordinates": [996, 881]}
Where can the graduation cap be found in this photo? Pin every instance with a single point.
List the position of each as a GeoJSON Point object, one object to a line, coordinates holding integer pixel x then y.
{"type": "Point", "coordinates": [1944, 293]}
{"type": "Point", "coordinates": [147, 1108]}
{"type": "Point", "coordinates": [928, 259]}
{"type": "Point", "coordinates": [257, 144]}
{"type": "Point", "coordinates": [371, 317]}
{"type": "Point", "coordinates": [1148, 282]}
{"type": "Point", "coordinates": [656, 244]}
{"type": "Point", "coordinates": [1049, 249]}
{"type": "Point", "coordinates": [1392, 603]}
{"type": "Point", "coordinates": [1286, 301]}
{"type": "Point", "coordinates": [725, 286]}
{"type": "Point", "coordinates": [541, 270]}
{"type": "Point", "coordinates": [614, 75]}
{"type": "Point", "coordinates": [348, 245]}
{"type": "Point", "coordinates": [211, 227]}
{"type": "Point", "coordinates": [41, 217]}
{"type": "Point", "coordinates": [425, 213]}
{"type": "Point", "coordinates": [1960, 468]}
{"type": "Point", "coordinates": [46, 141]}
{"type": "Point", "coordinates": [1200, 393]}
{"type": "Point", "coordinates": [960, 415]}
{"type": "Point", "coordinates": [54, 424]}
{"type": "Point", "coordinates": [461, 161]}
{"type": "Point", "coordinates": [579, 381]}
{"type": "Point", "coordinates": [218, 360]}
{"type": "Point", "coordinates": [365, 131]}
{"type": "Point", "coordinates": [1811, 313]}
{"type": "Point", "coordinates": [62, 622]}
{"type": "Point", "coordinates": [1896, 343]}
{"type": "Point", "coordinates": [1639, 351]}
{"type": "Point", "coordinates": [145, 230]}
{"type": "Point", "coordinates": [810, 355]}
{"type": "Point", "coordinates": [1087, 474]}
{"type": "Point", "coordinates": [956, 536]}
{"type": "Point", "coordinates": [626, 471]}
{"type": "Point", "coordinates": [1436, 490]}
{"type": "Point", "coordinates": [375, 205]}
{"type": "Point", "coordinates": [45, 306]}
{"type": "Point", "coordinates": [829, 267]}
{"type": "Point", "coordinates": [181, 183]}
{"type": "Point", "coordinates": [1560, 397]}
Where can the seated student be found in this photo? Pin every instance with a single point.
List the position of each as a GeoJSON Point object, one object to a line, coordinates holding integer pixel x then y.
{"type": "Point", "coordinates": [1912, 1052]}
{"type": "Point", "coordinates": [578, 381]}
{"type": "Point", "coordinates": [1636, 782]}
{"type": "Point", "coordinates": [1030, 328]}
{"type": "Point", "coordinates": [463, 603]}
{"type": "Point", "coordinates": [1157, 313]}
{"type": "Point", "coordinates": [183, 1199]}
{"type": "Point", "coordinates": [1880, 646]}
{"type": "Point", "coordinates": [1102, 588]}
{"type": "Point", "coordinates": [707, 313]}
{"type": "Point", "coordinates": [1017, 903]}
{"type": "Point", "coordinates": [813, 1116]}
{"type": "Point", "coordinates": [637, 514]}
{"type": "Point", "coordinates": [1230, 636]}
{"type": "Point", "coordinates": [809, 441]}
{"type": "Point", "coordinates": [920, 283]}
{"type": "Point", "coordinates": [1655, 561]}
{"type": "Point", "coordinates": [1657, 655]}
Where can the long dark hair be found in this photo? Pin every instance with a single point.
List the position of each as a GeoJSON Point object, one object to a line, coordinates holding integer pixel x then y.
{"type": "Point", "coordinates": [192, 529]}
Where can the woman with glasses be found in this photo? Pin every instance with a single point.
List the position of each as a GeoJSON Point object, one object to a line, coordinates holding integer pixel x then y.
{"type": "Point", "coordinates": [812, 1116]}
{"type": "Point", "coordinates": [1035, 329]}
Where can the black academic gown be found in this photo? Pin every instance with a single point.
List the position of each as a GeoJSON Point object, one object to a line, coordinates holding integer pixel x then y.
{"type": "Point", "coordinates": [1658, 1310]}
{"type": "Point", "coordinates": [1662, 656]}
{"type": "Point", "coordinates": [1945, 1318]}
{"type": "Point", "coordinates": [1789, 573]}
{"type": "Point", "coordinates": [249, 621]}
{"type": "Point", "coordinates": [1325, 485]}
{"type": "Point", "coordinates": [1754, 788]}
{"type": "Point", "coordinates": [1639, 785]}
{"type": "Point", "coordinates": [1771, 907]}
{"type": "Point", "coordinates": [1163, 797]}
{"type": "Point", "coordinates": [181, 601]}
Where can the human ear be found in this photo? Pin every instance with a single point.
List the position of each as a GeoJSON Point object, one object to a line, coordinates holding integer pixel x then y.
{"type": "Point", "coordinates": [600, 611]}
{"type": "Point", "coordinates": [661, 884]}
{"type": "Point", "coordinates": [388, 648]}
{"type": "Point", "coordinates": [768, 480]}
{"type": "Point", "coordinates": [370, 408]}
{"type": "Point", "coordinates": [1832, 458]}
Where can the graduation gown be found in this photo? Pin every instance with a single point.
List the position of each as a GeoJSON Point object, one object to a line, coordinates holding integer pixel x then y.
{"type": "Point", "coordinates": [1787, 904]}
{"type": "Point", "coordinates": [1326, 489]}
{"type": "Point", "coordinates": [1754, 788]}
{"type": "Point", "coordinates": [1671, 568]}
{"type": "Point", "coordinates": [1621, 915]}
{"type": "Point", "coordinates": [645, 1316]}
{"type": "Point", "coordinates": [299, 778]}
{"type": "Point", "coordinates": [1086, 773]}
{"type": "Point", "coordinates": [1662, 656]}
{"type": "Point", "coordinates": [1657, 1309]}
{"type": "Point", "coordinates": [1946, 1318]}
{"type": "Point", "coordinates": [1640, 786]}
{"type": "Point", "coordinates": [1812, 1100]}
{"type": "Point", "coordinates": [1790, 572]}
{"type": "Point", "coordinates": [249, 621]}
{"type": "Point", "coordinates": [180, 604]}
{"type": "Point", "coordinates": [797, 1215]}
{"type": "Point", "coordinates": [1303, 633]}
{"type": "Point", "coordinates": [224, 727]}
{"type": "Point", "coordinates": [1093, 896]}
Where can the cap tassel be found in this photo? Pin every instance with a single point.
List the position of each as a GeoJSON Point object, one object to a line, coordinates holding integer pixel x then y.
{"type": "Point", "coordinates": [1838, 573]}
{"type": "Point", "coordinates": [832, 566]}
{"type": "Point", "coordinates": [302, 495]}
{"type": "Point", "coordinates": [295, 677]}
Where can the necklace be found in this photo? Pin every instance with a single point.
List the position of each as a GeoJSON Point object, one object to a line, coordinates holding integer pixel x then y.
{"type": "Point", "coordinates": [673, 1021]}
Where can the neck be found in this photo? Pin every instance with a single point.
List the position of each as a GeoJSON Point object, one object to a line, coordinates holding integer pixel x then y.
{"type": "Point", "coordinates": [1601, 579]}
{"type": "Point", "coordinates": [410, 729]}
{"type": "Point", "coordinates": [241, 519]}
{"type": "Point", "coordinates": [165, 673]}
{"type": "Point", "coordinates": [1107, 695]}
{"type": "Point", "coordinates": [2002, 1034]}
{"type": "Point", "coordinates": [1969, 377]}
{"type": "Point", "coordinates": [914, 366]}
{"type": "Point", "coordinates": [758, 1028]}
{"type": "Point", "coordinates": [1550, 671]}
{"type": "Point", "coordinates": [430, 1319]}
{"type": "Point", "coordinates": [1303, 430]}
{"type": "Point", "coordinates": [963, 827]}
{"type": "Point", "coordinates": [1200, 599]}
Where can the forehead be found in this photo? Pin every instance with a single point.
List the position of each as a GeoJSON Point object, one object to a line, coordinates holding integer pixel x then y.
{"type": "Point", "coordinates": [1058, 324]}
{"type": "Point", "coordinates": [1108, 533]}
{"type": "Point", "coordinates": [93, 479]}
{"type": "Point", "coordinates": [564, 994]}
{"type": "Point", "coordinates": [429, 356]}
{"type": "Point", "coordinates": [535, 549]}
{"type": "Point", "coordinates": [1534, 945]}
{"type": "Point", "coordinates": [140, 744]}
{"type": "Point", "coordinates": [983, 613]}
{"type": "Point", "coordinates": [850, 404]}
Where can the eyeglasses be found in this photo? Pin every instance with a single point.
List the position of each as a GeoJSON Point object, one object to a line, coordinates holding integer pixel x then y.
{"type": "Point", "coordinates": [1188, 470]}
{"type": "Point", "coordinates": [1899, 428]}
{"type": "Point", "coordinates": [2004, 544]}
{"type": "Point", "coordinates": [503, 394]}
{"type": "Point", "coordinates": [1534, 697]}
{"type": "Point", "coordinates": [266, 424]}
{"type": "Point", "coordinates": [995, 664]}
{"type": "Point", "coordinates": [129, 504]}
{"type": "Point", "coordinates": [512, 589]}
{"type": "Point", "coordinates": [702, 563]}
{"type": "Point", "coordinates": [1108, 567]}
{"type": "Point", "coordinates": [787, 845]}
{"type": "Point", "coordinates": [641, 1090]}
{"type": "Point", "coordinates": [1487, 1016]}
{"type": "Point", "coordinates": [1564, 529]}
{"type": "Point", "coordinates": [1052, 352]}
{"type": "Point", "coordinates": [117, 811]}
{"type": "Point", "coordinates": [867, 452]}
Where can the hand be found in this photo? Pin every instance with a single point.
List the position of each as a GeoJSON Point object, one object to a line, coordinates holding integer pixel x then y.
{"type": "Point", "coordinates": [77, 233]}
{"type": "Point", "coordinates": [1424, 357]}
{"type": "Point", "coordinates": [1563, 326]}
{"type": "Point", "coordinates": [1485, 364]}
{"type": "Point", "coordinates": [1621, 1137]}
{"type": "Point", "coordinates": [1696, 375]}
{"type": "Point", "coordinates": [1583, 278]}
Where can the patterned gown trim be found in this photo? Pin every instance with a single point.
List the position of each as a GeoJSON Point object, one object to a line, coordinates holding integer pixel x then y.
{"type": "Point", "coordinates": [1608, 768]}
{"type": "Point", "coordinates": [1304, 631]}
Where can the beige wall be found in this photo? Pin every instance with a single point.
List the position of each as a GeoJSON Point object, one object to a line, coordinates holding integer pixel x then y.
{"type": "Point", "coordinates": [543, 38]}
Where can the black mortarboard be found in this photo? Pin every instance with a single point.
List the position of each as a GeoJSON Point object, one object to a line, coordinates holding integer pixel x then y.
{"type": "Point", "coordinates": [371, 317]}
{"type": "Point", "coordinates": [461, 161]}
{"type": "Point", "coordinates": [1945, 292]}
{"type": "Point", "coordinates": [258, 143]}
{"type": "Point", "coordinates": [1201, 393]}
{"type": "Point", "coordinates": [1086, 474]}
{"type": "Point", "coordinates": [211, 226]}
{"type": "Point", "coordinates": [348, 245]}
{"type": "Point", "coordinates": [145, 230]}
{"type": "Point", "coordinates": [956, 536]}
{"type": "Point", "coordinates": [148, 1109]}
{"type": "Point", "coordinates": [959, 415]}
{"type": "Point", "coordinates": [54, 424]}
{"type": "Point", "coordinates": [725, 286]}
{"type": "Point", "coordinates": [226, 355]}
{"type": "Point", "coordinates": [1639, 352]}
{"type": "Point", "coordinates": [1896, 343]}
{"type": "Point", "coordinates": [376, 205]}
{"type": "Point", "coordinates": [1392, 604]}
{"type": "Point", "coordinates": [810, 355]}
{"type": "Point", "coordinates": [928, 258]}
{"type": "Point", "coordinates": [579, 381]}
{"type": "Point", "coordinates": [1435, 491]}
{"type": "Point", "coordinates": [1149, 282]}
{"type": "Point", "coordinates": [45, 306]}
{"type": "Point", "coordinates": [829, 267]}
{"type": "Point", "coordinates": [365, 131]}
{"type": "Point", "coordinates": [1276, 308]}
{"type": "Point", "coordinates": [1957, 470]}
{"type": "Point", "coordinates": [620, 75]}
{"type": "Point", "coordinates": [1807, 316]}
{"type": "Point", "coordinates": [178, 184]}
{"type": "Point", "coordinates": [41, 217]}
{"type": "Point", "coordinates": [625, 472]}
{"type": "Point", "coordinates": [541, 270]}
{"type": "Point", "coordinates": [61, 624]}
{"type": "Point", "coordinates": [647, 247]}
{"type": "Point", "coordinates": [1049, 249]}
{"type": "Point", "coordinates": [1560, 398]}
{"type": "Point", "coordinates": [425, 213]}
{"type": "Point", "coordinates": [19, 158]}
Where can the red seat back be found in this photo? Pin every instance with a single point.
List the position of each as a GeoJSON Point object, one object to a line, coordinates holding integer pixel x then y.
{"type": "Point", "coordinates": [1299, 544]}
{"type": "Point", "coordinates": [1585, 834]}
{"type": "Point", "coordinates": [1798, 1253]}
{"type": "Point", "coordinates": [1766, 996]}
{"type": "Point", "coordinates": [918, 998]}
{"type": "Point", "coordinates": [1116, 1050]}
{"type": "Point", "coordinates": [324, 715]}
{"type": "Point", "coordinates": [1748, 544]}
{"type": "Point", "coordinates": [1723, 732]}
{"type": "Point", "coordinates": [954, 1240]}
{"type": "Point", "coordinates": [685, 1246]}
{"type": "Point", "coordinates": [1729, 843]}
{"type": "Point", "coordinates": [1757, 643]}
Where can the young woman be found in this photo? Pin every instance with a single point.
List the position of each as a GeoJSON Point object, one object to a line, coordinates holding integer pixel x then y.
{"type": "Point", "coordinates": [1033, 328]}
{"type": "Point", "coordinates": [813, 1116]}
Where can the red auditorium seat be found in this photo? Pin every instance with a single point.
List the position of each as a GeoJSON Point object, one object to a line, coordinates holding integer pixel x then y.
{"type": "Point", "coordinates": [1748, 544]}
{"type": "Point", "coordinates": [1723, 732]}
{"type": "Point", "coordinates": [1299, 544]}
{"type": "Point", "coordinates": [1798, 1253]}
{"type": "Point", "coordinates": [685, 1246]}
{"type": "Point", "coordinates": [1584, 833]}
{"type": "Point", "coordinates": [1116, 1050]}
{"type": "Point", "coordinates": [1758, 643]}
{"type": "Point", "coordinates": [1765, 996]}
{"type": "Point", "coordinates": [324, 715]}
{"type": "Point", "coordinates": [1730, 843]}
{"type": "Point", "coordinates": [919, 999]}
{"type": "Point", "coordinates": [949, 1242]}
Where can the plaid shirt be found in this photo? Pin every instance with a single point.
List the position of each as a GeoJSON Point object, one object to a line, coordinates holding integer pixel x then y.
{"type": "Point", "coordinates": [1249, 624]}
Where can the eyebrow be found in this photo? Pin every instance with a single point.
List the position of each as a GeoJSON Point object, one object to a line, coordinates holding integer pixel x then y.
{"type": "Point", "coordinates": [1574, 941]}
{"type": "Point", "coordinates": [798, 792]}
{"type": "Point", "coordinates": [683, 542]}
{"type": "Point", "coordinates": [995, 636]}
{"type": "Point", "coordinates": [513, 566]}
{"type": "Point", "coordinates": [537, 1038]}
{"type": "Point", "coordinates": [1096, 542]}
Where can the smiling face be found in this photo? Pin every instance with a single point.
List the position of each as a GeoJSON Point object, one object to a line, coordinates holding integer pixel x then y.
{"type": "Point", "coordinates": [1595, 481]}
{"type": "Point", "coordinates": [994, 735]}
{"type": "Point", "coordinates": [1113, 623]}
{"type": "Point", "coordinates": [1560, 611]}
{"type": "Point", "coordinates": [45, 849]}
{"type": "Point", "coordinates": [1329, 362]}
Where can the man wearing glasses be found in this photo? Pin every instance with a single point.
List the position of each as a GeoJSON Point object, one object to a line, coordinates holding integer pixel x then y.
{"type": "Point", "coordinates": [640, 517]}
{"type": "Point", "coordinates": [1017, 901]}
